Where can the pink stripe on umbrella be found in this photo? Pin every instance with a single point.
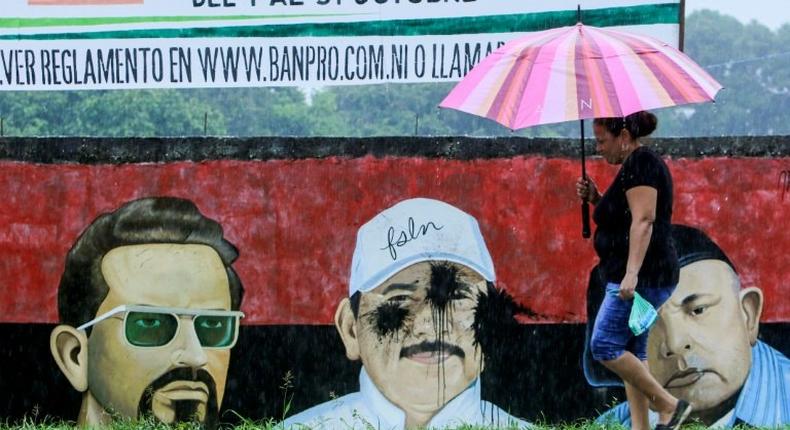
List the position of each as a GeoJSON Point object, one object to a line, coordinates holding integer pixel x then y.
{"type": "Point", "coordinates": [571, 105]}
{"type": "Point", "coordinates": [708, 84]}
{"type": "Point", "coordinates": [675, 62]}
{"type": "Point", "coordinates": [483, 94]}
{"type": "Point", "coordinates": [536, 38]}
{"type": "Point", "coordinates": [627, 98]}
{"type": "Point", "coordinates": [682, 89]}
{"type": "Point", "coordinates": [503, 110]}
{"type": "Point", "coordinates": [583, 93]}
{"type": "Point", "coordinates": [651, 93]}
{"type": "Point", "coordinates": [668, 78]}
{"type": "Point", "coordinates": [648, 87]}
{"type": "Point", "coordinates": [466, 87]}
{"type": "Point", "coordinates": [604, 91]}
{"type": "Point", "coordinates": [557, 74]}
{"type": "Point", "coordinates": [532, 100]}
{"type": "Point", "coordinates": [474, 93]}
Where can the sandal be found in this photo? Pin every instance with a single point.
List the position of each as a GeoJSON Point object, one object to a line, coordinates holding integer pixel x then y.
{"type": "Point", "coordinates": [682, 411]}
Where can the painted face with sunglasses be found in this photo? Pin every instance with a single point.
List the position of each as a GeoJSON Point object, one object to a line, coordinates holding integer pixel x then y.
{"type": "Point", "coordinates": [160, 342]}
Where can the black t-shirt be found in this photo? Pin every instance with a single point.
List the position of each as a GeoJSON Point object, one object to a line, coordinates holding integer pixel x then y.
{"type": "Point", "coordinates": [613, 218]}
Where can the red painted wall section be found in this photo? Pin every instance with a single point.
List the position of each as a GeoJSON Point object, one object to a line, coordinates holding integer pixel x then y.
{"type": "Point", "coordinates": [295, 223]}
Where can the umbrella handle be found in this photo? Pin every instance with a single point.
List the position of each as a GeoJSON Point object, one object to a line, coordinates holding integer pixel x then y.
{"type": "Point", "coordinates": [585, 204]}
{"type": "Point", "coordinates": [585, 220]}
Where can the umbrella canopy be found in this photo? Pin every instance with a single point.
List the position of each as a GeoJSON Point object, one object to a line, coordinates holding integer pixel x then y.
{"type": "Point", "coordinates": [579, 72]}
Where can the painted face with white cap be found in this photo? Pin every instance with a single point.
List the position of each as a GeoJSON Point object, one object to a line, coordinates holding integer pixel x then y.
{"type": "Point", "coordinates": [418, 272]}
{"type": "Point", "coordinates": [414, 334]}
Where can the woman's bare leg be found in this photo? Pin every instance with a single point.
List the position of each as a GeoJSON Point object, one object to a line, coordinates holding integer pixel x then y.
{"type": "Point", "coordinates": [635, 373]}
{"type": "Point", "coordinates": [638, 404]}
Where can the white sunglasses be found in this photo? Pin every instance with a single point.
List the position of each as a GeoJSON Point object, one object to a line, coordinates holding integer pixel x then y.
{"type": "Point", "coordinates": [153, 326]}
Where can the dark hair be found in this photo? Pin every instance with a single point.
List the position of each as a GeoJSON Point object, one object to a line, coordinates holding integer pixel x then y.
{"type": "Point", "coordinates": [355, 299]}
{"type": "Point", "coordinates": [638, 124]}
{"type": "Point", "coordinates": [150, 220]}
{"type": "Point", "coordinates": [693, 245]}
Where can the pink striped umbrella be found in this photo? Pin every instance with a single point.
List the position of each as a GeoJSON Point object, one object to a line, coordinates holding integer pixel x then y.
{"type": "Point", "coordinates": [579, 72]}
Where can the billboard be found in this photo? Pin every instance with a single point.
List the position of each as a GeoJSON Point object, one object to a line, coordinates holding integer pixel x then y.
{"type": "Point", "coordinates": [129, 44]}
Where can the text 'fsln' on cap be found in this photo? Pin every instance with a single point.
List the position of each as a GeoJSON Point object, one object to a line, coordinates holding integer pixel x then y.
{"type": "Point", "coordinates": [414, 231]}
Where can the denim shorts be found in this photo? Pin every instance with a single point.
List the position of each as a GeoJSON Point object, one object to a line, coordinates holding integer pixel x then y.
{"type": "Point", "coordinates": [611, 336]}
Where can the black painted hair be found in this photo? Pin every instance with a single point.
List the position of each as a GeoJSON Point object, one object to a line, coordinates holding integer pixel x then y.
{"type": "Point", "coordinates": [354, 301]}
{"type": "Point", "coordinates": [638, 124]}
{"type": "Point", "coordinates": [693, 244]}
{"type": "Point", "coordinates": [150, 220]}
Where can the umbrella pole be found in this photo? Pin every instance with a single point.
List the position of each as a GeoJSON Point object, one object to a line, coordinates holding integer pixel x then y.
{"type": "Point", "coordinates": [585, 204]}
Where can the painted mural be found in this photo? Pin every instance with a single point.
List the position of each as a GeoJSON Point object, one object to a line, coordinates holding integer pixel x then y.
{"type": "Point", "coordinates": [385, 283]}
{"type": "Point", "coordinates": [420, 315]}
{"type": "Point", "coordinates": [705, 346]}
{"type": "Point", "coordinates": [145, 310]}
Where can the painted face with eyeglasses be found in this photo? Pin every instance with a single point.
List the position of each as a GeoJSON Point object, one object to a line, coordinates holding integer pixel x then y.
{"type": "Point", "coordinates": [160, 342]}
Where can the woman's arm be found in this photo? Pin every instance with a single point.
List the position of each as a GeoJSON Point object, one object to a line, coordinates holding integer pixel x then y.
{"type": "Point", "coordinates": [642, 202]}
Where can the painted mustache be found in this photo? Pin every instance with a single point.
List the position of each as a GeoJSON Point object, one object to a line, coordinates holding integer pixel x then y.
{"type": "Point", "coordinates": [434, 347]}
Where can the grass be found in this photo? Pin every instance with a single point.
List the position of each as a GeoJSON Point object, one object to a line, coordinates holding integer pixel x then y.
{"type": "Point", "coordinates": [37, 423]}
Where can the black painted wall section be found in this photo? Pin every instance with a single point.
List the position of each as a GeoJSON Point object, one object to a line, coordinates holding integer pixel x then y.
{"type": "Point", "coordinates": [153, 150]}
{"type": "Point", "coordinates": [542, 379]}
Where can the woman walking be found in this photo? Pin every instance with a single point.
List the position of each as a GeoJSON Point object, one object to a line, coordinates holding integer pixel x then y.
{"type": "Point", "coordinates": [634, 243]}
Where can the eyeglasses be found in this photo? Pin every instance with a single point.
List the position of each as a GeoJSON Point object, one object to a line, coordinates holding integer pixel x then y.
{"type": "Point", "coordinates": [152, 326]}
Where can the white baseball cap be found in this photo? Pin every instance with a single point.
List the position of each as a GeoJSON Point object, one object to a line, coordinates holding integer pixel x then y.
{"type": "Point", "coordinates": [414, 231]}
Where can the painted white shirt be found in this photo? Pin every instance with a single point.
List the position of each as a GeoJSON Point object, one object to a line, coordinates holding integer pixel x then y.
{"type": "Point", "coordinates": [369, 407]}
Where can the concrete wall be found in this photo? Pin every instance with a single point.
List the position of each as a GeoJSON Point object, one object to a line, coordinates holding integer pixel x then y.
{"type": "Point", "coordinates": [293, 206]}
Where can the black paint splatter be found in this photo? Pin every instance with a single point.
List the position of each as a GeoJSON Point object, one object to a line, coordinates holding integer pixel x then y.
{"type": "Point", "coordinates": [444, 288]}
{"type": "Point", "coordinates": [388, 319]}
{"type": "Point", "coordinates": [495, 325]}
{"type": "Point", "coordinates": [495, 315]}
{"type": "Point", "coordinates": [444, 285]}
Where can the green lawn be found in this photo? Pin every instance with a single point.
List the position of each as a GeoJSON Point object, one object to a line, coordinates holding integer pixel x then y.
{"type": "Point", "coordinates": [250, 425]}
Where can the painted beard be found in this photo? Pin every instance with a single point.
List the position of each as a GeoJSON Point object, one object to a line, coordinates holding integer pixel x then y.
{"type": "Point", "coordinates": [184, 410]}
